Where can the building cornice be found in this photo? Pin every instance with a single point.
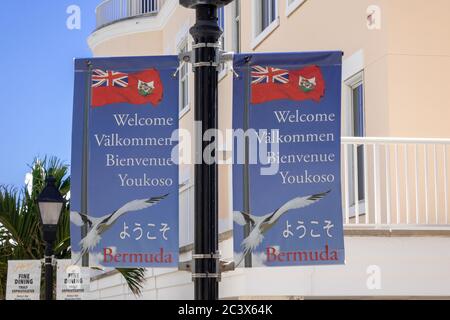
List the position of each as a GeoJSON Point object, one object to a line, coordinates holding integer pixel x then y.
{"type": "Point", "coordinates": [133, 25]}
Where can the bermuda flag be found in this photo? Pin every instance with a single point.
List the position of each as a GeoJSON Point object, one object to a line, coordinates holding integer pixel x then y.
{"type": "Point", "coordinates": [117, 87]}
{"type": "Point", "coordinates": [269, 83]}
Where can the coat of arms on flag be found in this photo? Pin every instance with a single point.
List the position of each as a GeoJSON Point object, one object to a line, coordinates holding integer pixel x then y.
{"type": "Point", "coordinates": [307, 85]}
{"type": "Point", "coordinates": [146, 88]}
{"type": "Point", "coordinates": [110, 87]}
{"type": "Point", "coordinates": [270, 83]}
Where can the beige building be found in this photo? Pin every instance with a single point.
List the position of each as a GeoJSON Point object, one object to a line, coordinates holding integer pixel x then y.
{"type": "Point", "coordinates": [395, 109]}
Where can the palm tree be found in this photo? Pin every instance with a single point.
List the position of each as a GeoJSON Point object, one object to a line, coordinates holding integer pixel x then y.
{"type": "Point", "coordinates": [20, 229]}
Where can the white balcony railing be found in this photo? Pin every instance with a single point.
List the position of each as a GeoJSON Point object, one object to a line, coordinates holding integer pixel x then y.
{"type": "Point", "coordinates": [110, 11]}
{"type": "Point", "coordinates": [400, 183]}
{"type": "Point", "coordinates": [395, 183]}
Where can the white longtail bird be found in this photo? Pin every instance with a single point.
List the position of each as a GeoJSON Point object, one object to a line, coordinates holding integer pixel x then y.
{"type": "Point", "coordinates": [259, 225]}
{"type": "Point", "coordinates": [97, 226]}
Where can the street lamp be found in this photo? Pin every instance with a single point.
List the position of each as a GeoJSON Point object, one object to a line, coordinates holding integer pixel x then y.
{"type": "Point", "coordinates": [50, 202]}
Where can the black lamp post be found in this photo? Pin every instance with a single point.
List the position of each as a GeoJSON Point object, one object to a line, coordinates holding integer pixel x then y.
{"type": "Point", "coordinates": [50, 202]}
{"type": "Point", "coordinates": [206, 33]}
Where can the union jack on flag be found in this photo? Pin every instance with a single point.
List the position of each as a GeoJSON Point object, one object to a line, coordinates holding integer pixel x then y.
{"type": "Point", "coordinates": [109, 78]}
{"type": "Point", "coordinates": [269, 75]}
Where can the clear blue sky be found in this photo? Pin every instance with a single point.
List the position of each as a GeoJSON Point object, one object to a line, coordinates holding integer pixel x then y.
{"type": "Point", "coordinates": [36, 87]}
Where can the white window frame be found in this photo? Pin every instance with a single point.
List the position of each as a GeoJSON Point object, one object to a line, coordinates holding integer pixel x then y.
{"type": "Point", "coordinates": [224, 66]}
{"type": "Point", "coordinates": [186, 186]}
{"type": "Point", "coordinates": [291, 7]}
{"type": "Point", "coordinates": [236, 26]}
{"type": "Point", "coordinates": [351, 67]}
{"type": "Point", "coordinates": [350, 84]}
{"type": "Point", "coordinates": [184, 43]}
{"type": "Point", "coordinates": [260, 35]}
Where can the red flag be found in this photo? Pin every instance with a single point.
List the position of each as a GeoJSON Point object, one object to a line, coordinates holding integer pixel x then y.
{"type": "Point", "coordinates": [117, 87]}
{"type": "Point", "coordinates": [270, 83]}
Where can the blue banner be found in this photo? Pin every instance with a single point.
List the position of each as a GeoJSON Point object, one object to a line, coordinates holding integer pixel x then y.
{"type": "Point", "coordinates": [286, 183]}
{"type": "Point", "coordinates": [124, 182]}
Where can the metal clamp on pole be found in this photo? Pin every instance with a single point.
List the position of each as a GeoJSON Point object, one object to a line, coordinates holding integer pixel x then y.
{"type": "Point", "coordinates": [207, 45]}
{"type": "Point", "coordinates": [49, 260]}
{"type": "Point", "coordinates": [199, 256]}
{"type": "Point", "coordinates": [216, 63]}
{"type": "Point", "coordinates": [206, 275]}
{"type": "Point", "coordinates": [206, 256]}
{"type": "Point", "coordinates": [225, 265]}
{"type": "Point", "coordinates": [189, 56]}
{"type": "Point", "coordinates": [205, 64]}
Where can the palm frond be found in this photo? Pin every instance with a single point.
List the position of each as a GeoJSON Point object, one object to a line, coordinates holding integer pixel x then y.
{"type": "Point", "coordinates": [135, 277]}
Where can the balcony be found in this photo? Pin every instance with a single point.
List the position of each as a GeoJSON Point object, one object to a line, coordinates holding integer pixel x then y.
{"type": "Point", "coordinates": [111, 11]}
{"type": "Point", "coordinates": [401, 185]}
{"type": "Point", "coordinates": [395, 184]}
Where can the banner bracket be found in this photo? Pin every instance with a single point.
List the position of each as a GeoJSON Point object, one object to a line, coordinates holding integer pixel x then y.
{"type": "Point", "coordinates": [186, 57]}
{"type": "Point", "coordinates": [226, 56]}
{"type": "Point", "coordinates": [222, 266]}
{"type": "Point", "coordinates": [189, 57]}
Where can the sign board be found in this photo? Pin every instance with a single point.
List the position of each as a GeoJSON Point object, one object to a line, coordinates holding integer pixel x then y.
{"type": "Point", "coordinates": [24, 280]}
{"type": "Point", "coordinates": [287, 189]}
{"type": "Point", "coordinates": [72, 281]}
{"type": "Point", "coordinates": [124, 181]}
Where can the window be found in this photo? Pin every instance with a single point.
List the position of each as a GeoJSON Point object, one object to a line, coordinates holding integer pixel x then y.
{"type": "Point", "coordinates": [186, 214]}
{"type": "Point", "coordinates": [265, 19]}
{"type": "Point", "coordinates": [221, 21]}
{"type": "Point", "coordinates": [184, 78]}
{"type": "Point", "coordinates": [355, 88]}
{"type": "Point", "coordinates": [267, 14]}
{"type": "Point", "coordinates": [236, 26]}
{"type": "Point", "coordinates": [357, 105]}
{"type": "Point", "coordinates": [221, 17]}
{"type": "Point", "coordinates": [292, 5]}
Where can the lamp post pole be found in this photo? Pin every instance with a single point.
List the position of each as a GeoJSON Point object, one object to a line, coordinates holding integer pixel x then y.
{"type": "Point", "coordinates": [206, 33]}
{"type": "Point", "coordinates": [49, 269]}
{"type": "Point", "coordinates": [50, 203]}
